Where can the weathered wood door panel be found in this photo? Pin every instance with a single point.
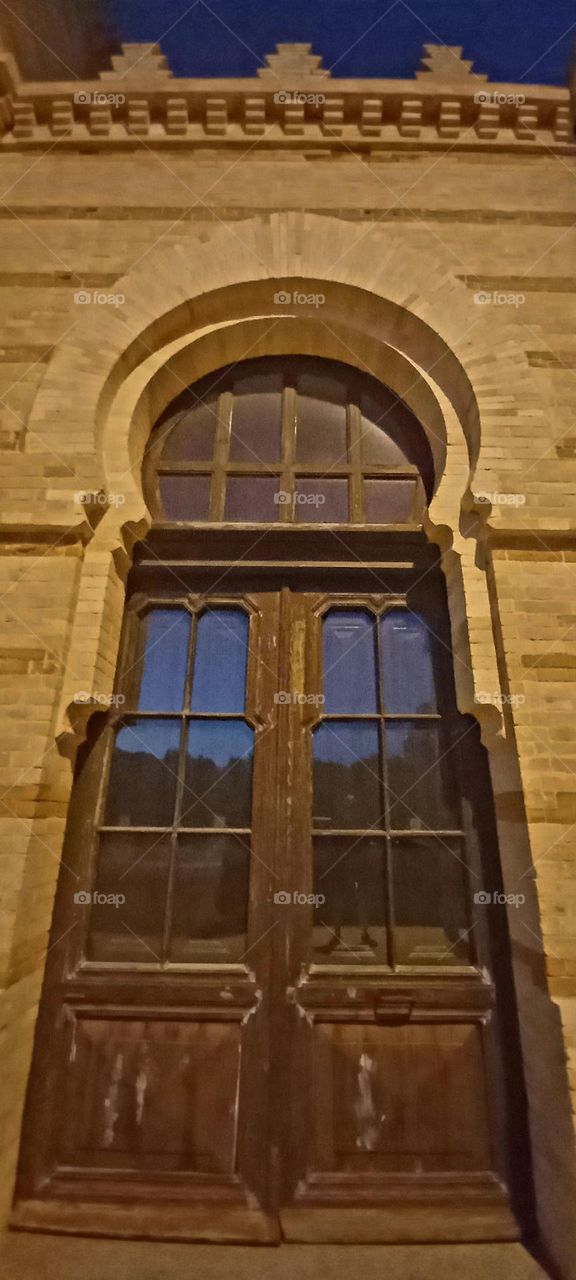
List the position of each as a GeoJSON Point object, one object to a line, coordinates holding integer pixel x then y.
{"type": "Point", "coordinates": [286, 1028]}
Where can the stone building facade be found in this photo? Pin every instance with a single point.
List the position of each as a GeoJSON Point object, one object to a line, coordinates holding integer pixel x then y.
{"type": "Point", "coordinates": [155, 230]}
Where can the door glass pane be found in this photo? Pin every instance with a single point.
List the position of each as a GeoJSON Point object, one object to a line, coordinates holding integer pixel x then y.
{"type": "Point", "coordinates": [409, 686]}
{"type": "Point", "coordinates": [129, 897]}
{"type": "Point", "coordinates": [257, 418]}
{"type": "Point", "coordinates": [252, 499]}
{"type": "Point", "coordinates": [346, 775]}
{"type": "Point", "coordinates": [142, 783]}
{"type": "Point", "coordinates": [429, 897]}
{"type": "Point", "coordinates": [349, 650]}
{"type": "Point", "coordinates": [218, 790]}
{"type": "Point", "coordinates": [321, 434]}
{"type": "Point", "coordinates": [192, 438]}
{"type": "Point", "coordinates": [389, 501]}
{"type": "Point", "coordinates": [350, 875]}
{"type": "Point", "coordinates": [165, 660]}
{"type": "Point", "coordinates": [421, 785]}
{"type": "Point", "coordinates": [210, 897]}
{"type": "Point", "coordinates": [321, 501]}
{"type": "Point", "coordinates": [219, 681]}
{"type": "Point", "coordinates": [185, 497]}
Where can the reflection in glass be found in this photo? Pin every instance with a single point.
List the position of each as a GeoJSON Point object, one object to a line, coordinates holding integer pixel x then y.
{"type": "Point", "coordinates": [422, 793]}
{"type": "Point", "coordinates": [321, 501]}
{"type": "Point", "coordinates": [219, 681]}
{"type": "Point", "coordinates": [389, 501]}
{"type": "Point", "coordinates": [142, 783]}
{"type": "Point", "coordinates": [346, 775]}
{"type": "Point", "coordinates": [350, 874]}
{"type": "Point", "coordinates": [210, 897]}
{"type": "Point", "coordinates": [185, 497]}
{"type": "Point", "coordinates": [349, 649]}
{"type": "Point", "coordinates": [408, 666]}
{"type": "Point", "coordinates": [252, 499]}
{"type": "Point", "coordinates": [429, 897]}
{"type": "Point", "coordinates": [131, 866]}
{"type": "Point", "coordinates": [192, 438]}
{"type": "Point", "coordinates": [165, 660]}
{"type": "Point", "coordinates": [218, 781]}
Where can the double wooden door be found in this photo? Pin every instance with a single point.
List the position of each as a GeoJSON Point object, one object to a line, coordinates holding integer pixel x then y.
{"type": "Point", "coordinates": [269, 1009]}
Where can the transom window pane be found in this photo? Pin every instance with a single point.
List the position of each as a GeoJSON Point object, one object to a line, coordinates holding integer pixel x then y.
{"type": "Point", "coordinates": [257, 418]}
{"type": "Point", "coordinates": [321, 501]}
{"type": "Point", "coordinates": [238, 451]}
{"type": "Point", "coordinates": [252, 498]}
{"type": "Point", "coordinates": [191, 437]}
{"type": "Point", "coordinates": [185, 497]}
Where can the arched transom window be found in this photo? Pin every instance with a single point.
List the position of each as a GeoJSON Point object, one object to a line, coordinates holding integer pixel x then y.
{"type": "Point", "coordinates": [291, 439]}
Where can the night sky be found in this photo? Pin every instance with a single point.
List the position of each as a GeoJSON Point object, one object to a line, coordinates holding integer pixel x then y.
{"type": "Point", "coordinates": [518, 40]}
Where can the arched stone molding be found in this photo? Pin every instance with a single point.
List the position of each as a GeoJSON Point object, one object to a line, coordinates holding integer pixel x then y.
{"type": "Point", "coordinates": [390, 294]}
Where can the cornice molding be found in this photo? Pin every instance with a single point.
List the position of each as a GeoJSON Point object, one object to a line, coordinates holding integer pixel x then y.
{"type": "Point", "coordinates": [291, 104]}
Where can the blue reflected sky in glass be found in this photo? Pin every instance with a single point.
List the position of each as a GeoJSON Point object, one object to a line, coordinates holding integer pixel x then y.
{"type": "Point", "coordinates": [218, 774]}
{"type": "Point", "coordinates": [349, 651]}
{"type": "Point", "coordinates": [219, 680]}
{"type": "Point", "coordinates": [422, 788]}
{"type": "Point", "coordinates": [407, 662]}
{"type": "Point", "coordinates": [346, 769]}
{"type": "Point", "coordinates": [165, 660]}
{"type": "Point", "coordinates": [142, 782]}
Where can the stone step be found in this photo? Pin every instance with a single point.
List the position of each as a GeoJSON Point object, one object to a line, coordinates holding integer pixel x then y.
{"type": "Point", "coordinates": [26, 1256]}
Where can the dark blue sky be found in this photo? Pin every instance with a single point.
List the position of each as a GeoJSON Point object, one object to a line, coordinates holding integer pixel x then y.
{"type": "Point", "coordinates": [527, 40]}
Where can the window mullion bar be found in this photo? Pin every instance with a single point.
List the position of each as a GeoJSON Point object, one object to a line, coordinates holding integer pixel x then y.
{"type": "Point", "coordinates": [356, 489]}
{"type": "Point", "coordinates": [287, 513]}
{"type": "Point", "coordinates": [384, 792]}
{"type": "Point", "coordinates": [221, 452]}
{"type": "Point", "coordinates": [184, 720]}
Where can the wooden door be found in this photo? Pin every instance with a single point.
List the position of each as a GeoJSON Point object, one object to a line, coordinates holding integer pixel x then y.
{"type": "Point", "coordinates": [147, 1110]}
{"type": "Point", "coordinates": [285, 1029]}
{"type": "Point", "coordinates": [388, 1086]}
